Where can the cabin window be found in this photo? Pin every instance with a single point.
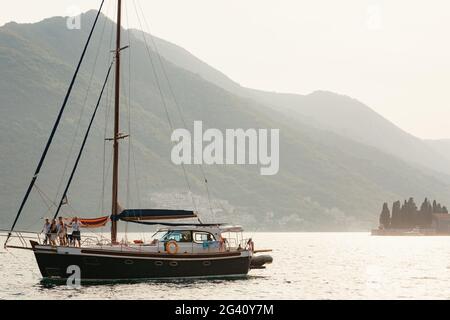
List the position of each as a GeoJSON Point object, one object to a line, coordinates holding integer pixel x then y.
{"type": "Point", "coordinates": [178, 236]}
{"type": "Point", "coordinates": [201, 237]}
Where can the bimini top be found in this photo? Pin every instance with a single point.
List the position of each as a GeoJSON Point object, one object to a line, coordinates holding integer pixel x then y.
{"type": "Point", "coordinates": [153, 214]}
{"type": "Point", "coordinates": [220, 228]}
{"type": "Point", "coordinates": [231, 228]}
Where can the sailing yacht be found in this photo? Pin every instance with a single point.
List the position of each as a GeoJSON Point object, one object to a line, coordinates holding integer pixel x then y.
{"type": "Point", "coordinates": [176, 250]}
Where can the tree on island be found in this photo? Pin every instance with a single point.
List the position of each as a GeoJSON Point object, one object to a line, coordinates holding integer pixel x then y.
{"type": "Point", "coordinates": [385, 217]}
{"type": "Point", "coordinates": [408, 216]}
{"type": "Point", "coordinates": [404, 215]}
{"type": "Point", "coordinates": [438, 208]}
{"type": "Point", "coordinates": [435, 207]}
{"type": "Point", "coordinates": [425, 214]}
{"type": "Point", "coordinates": [413, 213]}
{"type": "Point", "coordinates": [396, 219]}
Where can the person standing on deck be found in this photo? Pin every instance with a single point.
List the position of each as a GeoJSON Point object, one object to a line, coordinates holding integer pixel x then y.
{"type": "Point", "coordinates": [46, 231]}
{"type": "Point", "coordinates": [62, 232]}
{"type": "Point", "coordinates": [53, 232]}
{"type": "Point", "coordinates": [76, 233]}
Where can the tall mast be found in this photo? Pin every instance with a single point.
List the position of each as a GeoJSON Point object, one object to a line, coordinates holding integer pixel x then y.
{"type": "Point", "coordinates": [115, 182]}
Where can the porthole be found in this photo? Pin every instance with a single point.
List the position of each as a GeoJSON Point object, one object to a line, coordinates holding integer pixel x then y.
{"type": "Point", "coordinates": [129, 262]}
{"type": "Point", "coordinates": [173, 264]}
{"type": "Point", "coordinates": [158, 263]}
{"type": "Point", "coordinates": [206, 263]}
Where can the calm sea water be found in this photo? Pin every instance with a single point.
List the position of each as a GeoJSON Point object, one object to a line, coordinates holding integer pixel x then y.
{"type": "Point", "coordinates": [306, 266]}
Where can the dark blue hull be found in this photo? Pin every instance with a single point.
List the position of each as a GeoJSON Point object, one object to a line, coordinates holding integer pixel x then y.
{"type": "Point", "coordinates": [107, 265]}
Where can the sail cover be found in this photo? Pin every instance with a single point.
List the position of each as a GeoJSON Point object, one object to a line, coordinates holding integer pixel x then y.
{"type": "Point", "coordinates": [90, 223]}
{"type": "Point", "coordinates": [154, 214]}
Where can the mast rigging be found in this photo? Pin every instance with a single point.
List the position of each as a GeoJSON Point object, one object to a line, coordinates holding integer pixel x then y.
{"type": "Point", "coordinates": [64, 195]}
{"type": "Point", "coordinates": [55, 127]}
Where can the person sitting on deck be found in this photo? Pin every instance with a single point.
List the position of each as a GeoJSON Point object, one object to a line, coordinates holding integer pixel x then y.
{"type": "Point", "coordinates": [53, 232]}
{"type": "Point", "coordinates": [251, 245]}
{"type": "Point", "coordinates": [62, 232]}
{"type": "Point", "coordinates": [223, 243]}
{"type": "Point", "coordinates": [46, 231]}
{"type": "Point", "coordinates": [186, 237]}
{"type": "Point", "coordinates": [76, 233]}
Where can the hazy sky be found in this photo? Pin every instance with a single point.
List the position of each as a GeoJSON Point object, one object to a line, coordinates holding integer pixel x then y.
{"type": "Point", "coordinates": [392, 55]}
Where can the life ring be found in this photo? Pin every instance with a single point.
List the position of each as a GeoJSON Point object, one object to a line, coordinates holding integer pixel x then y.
{"type": "Point", "coordinates": [172, 247]}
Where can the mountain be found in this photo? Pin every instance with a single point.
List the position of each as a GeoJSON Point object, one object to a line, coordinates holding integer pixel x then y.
{"type": "Point", "coordinates": [442, 147]}
{"type": "Point", "coordinates": [325, 110]}
{"type": "Point", "coordinates": [354, 120]}
{"type": "Point", "coordinates": [326, 181]}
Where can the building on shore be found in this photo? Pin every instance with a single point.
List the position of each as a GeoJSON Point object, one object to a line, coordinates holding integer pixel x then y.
{"type": "Point", "coordinates": [441, 223]}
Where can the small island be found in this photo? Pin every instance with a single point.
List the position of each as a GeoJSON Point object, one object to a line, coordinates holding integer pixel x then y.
{"type": "Point", "coordinates": [408, 220]}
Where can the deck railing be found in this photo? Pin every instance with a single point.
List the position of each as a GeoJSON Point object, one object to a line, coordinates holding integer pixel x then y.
{"type": "Point", "coordinates": [22, 238]}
